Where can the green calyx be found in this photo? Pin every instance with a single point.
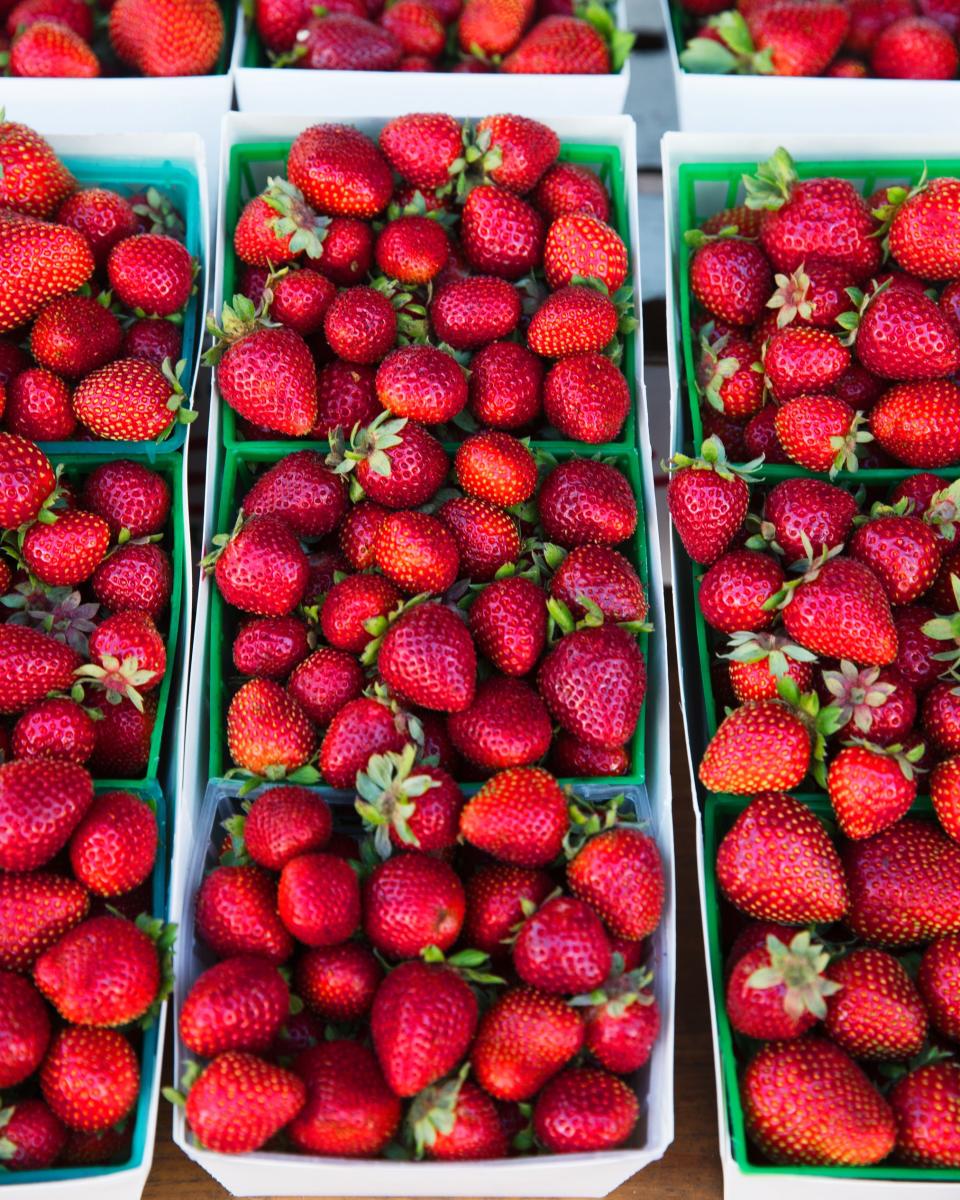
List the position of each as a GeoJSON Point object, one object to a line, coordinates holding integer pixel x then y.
{"type": "Point", "coordinates": [387, 792]}
{"type": "Point", "coordinates": [846, 456]}
{"type": "Point", "coordinates": [191, 1073]}
{"type": "Point", "coordinates": [620, 992]}
{"type": "Point", "coordinates": [434, 1111]}
{"type": "Point", "coordinates": [798, 968]}
{"type": "Point", "coordinates": [238, 320]}
{"type": "Point", "coordinates": [944, 511]}
{"type": "Point", "coordinates": [295, 219]}
{"type": "Point", "coordinates": [716, 368]}
{"type": "Point", "coordinates": [778, 651]}
{"type": "Point", "coordinates": [412, 325]}
{"type": "Point", "coordinates": [235, 828]}
{"type": "Point", "coordinates": [479, 158]}
{"type": "Point", "coordinates": [158, 210]}
{"type": "Point", "coordinates": [175, 403]}
{"type": "Point", "coordinates": [619, 41]}
{"type": "Point", "coordinates": [367, 444]}
{"type": "Point", "coordinates": [220, 543]}
{"type": "Point", "coordinates": [470, 964]}
{"type": "Point", "coordinates": [773, 183]}
{"type": "Point", "coordinates": [821, 721]}
{"type": "Point", "coordinates": [857, 692]}
{"type": "Point", "coordinates": [588, 820]}
{"type": "Point", "coordinates": [906, 760]}
{"type": "Point", "coordinates": [713, 457]}
{"type": "Point", "coordinates": [792, 297]}
{"type": "Point", "coordinates": [734, 54]}
{"type": "Point", "coordinates": [307, 774]}
{"type": "Point", "coordinates": [119, 680]}
{"type": "Point", "coordinates": [561, 618]}
{"type": "Point", "coordinates": [947, 629]}
{"type": "Point", "coordinates": [850, 321]}
{"type": "Point", "coordinates": [377, 627]}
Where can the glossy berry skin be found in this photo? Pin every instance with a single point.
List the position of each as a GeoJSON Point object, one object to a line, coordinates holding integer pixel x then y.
{"type": "Point", "coordinates": [487, 537]}
{"type": "Point", "coordinates": [522, 1040]}
{"type": "Point", "coordinates": [416, 552]}
{"type": "Point", "coordinates": [412, 901]}
{"type": "Point", "coordinates": [824, 217]}
{"type": "Point", "coordinates": [760, 1012]}
{"type": "Point", "coordinates": [267, 730]}
{"type": "Point", "coordinates": [494, 904]}
{"type": "Point", "coordinates": [38, 406]}
{"type": "Point", "coordinates": [346, 396]}
{"type": "Point", "coordinates": [360, 325]}
{"type": "Point", "coordinates": [707, 509]}
{"type": "Point", "coordinates": [919, 423]}
{"type": "Point", "coordinates": [340, 171]}
{"type": "Point", "coordinates": [574, 320]}
{"type": "Point", "coordinates": [843, 613]}
{"type": "Point", "coordinates": [128, 495]}
{"type": "Point", "coordinates": [563, 948]}
{"type": "Point", "coordinates": [54, 728]}
{"type": "Point", "coordinates": [34, 1138]}
{"type": "Point", "coordinates": [324, 682]}
{"type": "Point", "coordinates": [507, 725]}
{"type": "Point", "coordinates": [418, 467]}
{"type": "Point", "coordinates": [41, 803]}
{"type": "Point", "coordinates": [620, 874]}
{"type": "Point", "coordinates": [361, 728]}
{"type": "Point", "coordinates": [237, 1004]}
{"type": "Point", "coordinates": [41, 262]}
{"type": "Point", "coordinates": [800, 360]}
{"type": "Point", "coordinates": [569, 188]}
{"type": "Point", "coordinates": [473, 312]}
{"type": "Point", "coordinates": [915, 48]}
{"type": "Point", "coordinates": [877, 1014]}
{"type": "Point", "coordinates": [236, 913]}
{"type": "Point", "coordinates": [585, 1109]}
{"type": "Point", "coordinates": [134, 578]}
{"type": "Point", "coordinates": [813, 507]}
{"type": "Point", "coordinates": [583, 501]}
{"type": "Point", "coordinates": [572, 757]}
{"type": "Point", "coordinates": [478, 1131]}
{"type": "Point", "coordinates": [90, 1077]}
{"type": "Point", "coordinates": [66, 552]}
{"type": "Point", "coordinates": [732, 280]}
{"type": "Point", "coordinates": [501, 234]}
{"type": "Point", "coordinates": [945, 794]}
{"type": "Point", "coordinates": [74, 335]}
{"type": "Point", "coordinates": [25, 1027]}
{"type": "Point", "coordinates": [508, 621]}
{"type": "Point", "coordinates": [805, 1101]}
{"type": "Point", "coordinates": [301, 299]}
{"type": "Point", "coordinates": [922, 238]}
{"type": "Point", "coordinates": [939, 982]}
{"type": "Point", "coordinates": [923, 1104]}
{"type": "Point", "coordinates": [735, 588]}
{"type": "Point", "coordinates": [240, 1101]}
{"type": "Point", "coordinates": [506, 380]}
{"type": "Point", "coordinates": [338, 983]}
{"type": "Point", "coordinates": [284, 822]}
{"type": "Point", "coordinates": [270, 646]}
{"type": "Point", "coordinates": [519, 817]}
{"type": "Point", "coordinates": [940, 718]}
{"type": "Point", "coordinates": [350, 1111]}
{"type": "Point", "coordinates": [776, 863]}
{"type": "Point", "coordinates": [761, 746]}
{"type": "Point", "coordinates": [303, 492]}
{"type": "Point", "coordinates": [904, 336]}
{"type": "Point", "coordinates": [903, 551]}
{"type": "Point", "coordinates": [152, 273]}
{"type": "Point", "coordinates": [35, 664]}
{"type": "Point", "coordinates": [319, 899]}
{"type": "Point", "coordinates": [37, 908]}
{"type": "Point", "coordinates": [423, 383]}
{"type": "Point", "coordinates": [497, 467]}
{"type": "Point", "coordinates": [114, 847]}
{"type": "Point", "coordinates": [269, 378]}
{"type": "Point", "coordinates": [427, 657]}
{"type": "Point", "coordinates": [587, 398]}
{"type": "Point", "coordinates": [352, 602]}
{"type": "Point", "coordinates": [868, 791]}
{"type": "Point", "coordinates": [126, 400]}
{"type": "Point", "coordinates": [130, 635]}
{"type": "Point", "coordinates": [262, 569]}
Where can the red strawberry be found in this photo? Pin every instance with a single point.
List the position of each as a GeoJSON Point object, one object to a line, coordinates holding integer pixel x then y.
{"type": "Point", "coordinates": [571, 756]}
{"type": "Point", "coordinates": [422, 147]}
{"type": "Point", "coordinates": [346, 396]}
{"type": "Point", "coordinates": [455, 1121]}
{"type": "Point", "coordinates": [508, 621]}
{"type": "Point", "coordinates": [36, 909]}
{"type": "Point", "coordinates": [412, 249]}
{"type": "Point", "coordinates": [338, 983]}
{"type": "Point", "coordinates": [40, 261]}
{"type": "Point", "coordinates": [101, 215]}
{"type": "Point", "coordinates": [38, 406]}
{"type": "Point", "coordinates": [278, 21]}
{"type": "Point", "coordinates": [470, 313]}
{"type": "Point", "coordinates": [587, 398]}
{"type": "Point", "coordinates": [940, 718]}
{"type": "Point", "coordinates": [915, 662]}
{"type": "Point", "coordinates": [496, 896]}
{"type": "Point", "coordinates": [563, 948]}
{"type": "Point", "coordinates": [134, 578]}
{"type": "Point", "coordinates": [360, 325]}
{"type": "Point", "coordinates": [919, 423]}
{"type": "Point", "coordinates": [903, 551]}
{"type": "Point", "coordinates": [569, 187]}
{"type": "Point", "coordinates": [799, 360]}
{"type": "Point", "coordinates": [41, 803]}
{"type": "Point", "coordinates": [423, 1020]}
{"type": "Point", "coordinates": [945, 794]}
{"type": "Point", "coordinates": [261, 567]}
{"type": "Point", "coordinates": [323, 683]}
{"type": "Point", "coordinates": [501, 234]}
{"type": "Point", "coordinates": [398, 464]}
{"type": "Point", "coordinates": [50, 48]}
{"type": "Point", "coordinates": [525, 148]}
{"type": "Point", "coordinates": [922, 238]}
{"type": "Point", "coordinates": [350, 1111]}
{"type": "Point", "coordinates": [922, 1104]}
{"type": "Point", "coordinates": [735, 589]}
{"type": "Point", "coordinates": [585, 1109]}
{"type": "Point", "coordinates": [505, 385]}
{"type": "Point", "coordinates": [351, 604]}
{"type": "Point", "coordinates": [319, 899]}
{"type": "Point", "coordinates": [622, 1028]}
{"type": "Point", "coordinates": [301, 491]}
{"type": "Point", "coordinates": [487, 537]}
{"type": "Point", "coordinates": [707, 501]}
{"type": "Point", "coordinates": [497, 467]}
{"type": "Point", "coordinates": [904, 336]}
{"type": "Point", "coordinates": [523, 1040]}
{"type": "Point", "coordinates": [574, 319]}
{"type": "Point", "coordinates": [278, 227]}
{"type": "Point", "coordinates": [270, 646]}
{"type": "Point", "coordinates": [240, 1101]}
{"type": "Point", "coordinates": [74, 335]}
{"type": "Point", "coordinates": [730, 277]}
{"type": "Point", "coordinates": [811, 507]}
{"type": "Point", "coordinates": [840, 609]}
{"type": "Point", "coordinates": [32, 1137]}
{"type": "Point", "coordinates": [343, 41]}
{"type": "Point", "coordinates": [422, 383]}
{"type": "Point", "coordinates": [26, 480]}
{"type": "Point", "coordinates": [128, 496]}
{"type": "Point", "coordinates": [127, 653]}
{"type": "Point", "coordinates": [427, 657]}
{"type": "Point", "coordinates": [132, 400]}
{"type": "Point", "coordinates": [169, 37]}
{"type": "Point", "coordinates": [113, 849]}
{"type": "Point", "coordinates": [819, 433]}
{"type": "Point", "coordinates": [776, 863]}
{"type": "Point", "coordinates": [54, 728]}
{"type": "Point", "coordinates": [236, 913]}
{"type": "Point", "coordinates": [412, 901]}
{"type": "Point", "coordinates": [729, 377]}
{"type": "Point", "coordinates": [580, 246]}
{"type": "Point", "coordinates": [66, 550]}
{"type": "Point", "coordinates": [834, 1114]}
{"type": "Point", "coordinates": [870, 789]}
{"type": "Point", "coordinates": [620, 874]}
{"type": "Point", "coordinates": [90, 1077]}
{"type": "Point", "coordinates": [361, 728]}
{"type": "Point", "coordinates": [939, 982]}
{"type": "Point", "coordinates": [416, 552]}
{"type": "Point", "coordinates": [876, 1012]}
{"type": "Point", "coordinates": [565, 45]}
{"type": "Point", "coordinates": [34, 665]}
{"type": "Point", "coordinates": [800, 38]}
{"type": "Point", "coordinates": [25, 1028]}
{"type": "Point", "coordinates": [584, 501]}
{"type": "Point", "coordinates": [124, 737]}
{"type": "Point", "coordinates": [873, 700]}
{"type": "Point", "coordinates": [519, 817]}
{"type": "Point", "coordinates": [151, 274]}
{"type": "Point", "coordinates": [339, 170]}
{"type": "Point", "coordinates": [408, 805]}
{"type": "Point", "coordinates": [281, 823]}
{"type": "Point", "coordinates": [268, 732]}
{"type": "Point", "coordinates": [301, 299]}
{"type": "Point", "coordinates": [34, 180]}
{"type": "Point", "coordinates": [915, 48]}
{"type": "Point", "coordinates": [777, 990]}
{"type": "Point", "coordinates": [507, 725]}
{"type": "Point", "coordinates": [493, 26]}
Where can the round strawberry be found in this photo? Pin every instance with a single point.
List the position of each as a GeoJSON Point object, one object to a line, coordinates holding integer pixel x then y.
{"type": "Point", "coordinates": [240, 1101]}
{"type": "Point", "coordinates": [580, 246]}
{"type": "Point", "coordinates": [507, 725]}
{"type": "Point", "coordinates": [360, 325]}
{"type": "Point", "coordinates": [55, 727]}
{"type": "Point", "coordinates": [473, 312]}
{"type": "Point", "coordinates": [152, 274]}
{"type": "Point", "coordinates": [412, 901]}
{"type": "Point", "coordinates": [730, 277]}
{"type": "Point", "coordinates": [90, 1077]}
{"type": "Point", "coordinates": [26, 480]}
{"type": "Point", "coordinates": [506, 380]}
{"type": "Point", "coordinates": [67, 550]}
{"type": "Point", "coordinates": [113, 849]}
{"type": "Point", "coordinates": [422, 383]}
{"type": "Point", "coordinates": [563, 948]}
{"type": "Point", "coordinates": [237, 1004]}
{"type": "Point", "coordinates": [519, 816]}
{"type": "Point", "coordinates": [875, 1012]}
{"type": "Point", "coordinates": [777, 990]}
{"type": "Point", "coordinates": [585, 1109]}
{"type": "Point", "coordinates": [338, 983]}
{"type": "Point", "coordinates": [508, 621]}
{"type": "Point", "coordinates": [74, 335]}
{"type": "Point", "coordinates": [922, 1103]}
{"type": "Point", "coordinates": [134, 578]}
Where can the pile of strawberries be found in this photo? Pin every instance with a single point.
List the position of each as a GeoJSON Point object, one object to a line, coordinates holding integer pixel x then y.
{"type": "Point", "coordinates": [446, 277]}
{"type": "Point", "coordinates": [519, 37]}
{"type": "Point", "coordinates": [841, 39]}
{"type": "Point", "coordinates": [85, 585]}
{"type": "Point", "coordinates": [75, 364]}
{"type": "Point", "coordinates": [84, 39]}
{"type": "Point", "coordinates": [466, 984]}
{"type": "Point", "coordinates": [829, 324]}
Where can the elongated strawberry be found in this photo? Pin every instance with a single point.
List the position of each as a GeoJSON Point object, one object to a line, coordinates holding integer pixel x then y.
{"type": "Point", "coordinates": [42, 802]}
{"type": "Point", "coordinates": [519, 816]}
{"type": "Point", "coordinates": [66, 550]}
{"type": "Point", "coordinates": [397, 463]}
{"type": "Point", "coordinates": [268, 732]}
{"type": "Point", "coordinates": [523, 1040]}
{"type": "Point", "coordinates": [487, 537]}
{"type": "Point", "coordinates": [427, 657]}
{"type": "Point", "coordinates": [236, 913]}
{"type": "Point", "coordinates": [416, 552]}
{"type": "Point", "coordinates": [922, 238]}
{"type": "Point", "coordinates": [919, 423]}
{"type": "Point", "coordinates": [340, 171]}
{"type": "Point", "coordinates": [508, 621]}
{"type": "Point", "coordinates": [350, 1111]}
{"type": "Point", "coordinates": [619, 873]}
{"type": "Point", "coordinates": [130, 399]}
{"type": "Point", "coordinates": [707, 500]}
{"type": "Point", "coordinates": [820, 433]}
{"type": "Point", "coordinates": [40, 262]}
{"type": "Point", "coordinates": [35, 181]}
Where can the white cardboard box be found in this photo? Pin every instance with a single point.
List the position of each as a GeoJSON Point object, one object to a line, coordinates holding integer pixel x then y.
{"type": "Point", "coordinates": [390, 93]}
{"type": "Point", "coordinates": [678, 148]}
{"type": "Point", "coordinates": [562, 1175]}
{"type": "Point", "coordinates": [777, 104]}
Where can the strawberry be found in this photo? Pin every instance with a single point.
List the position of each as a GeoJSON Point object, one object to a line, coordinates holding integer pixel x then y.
{"type": "Point", "coordinates": [573, 320]}
{"type": "Point", "coordinates": [858, 388]}
{"type": "Point", "coordinates": [508, 620]}
{"type": "Point", "coordinates": [939, 982]}
{"type": "Point", "coordinates": [945, 794]}
{"type": "Point", "coordinates": [707, 500]}
{"type": "Point", "coordinates": [903, 551]}
{"type": "Point", "coordinates": [422, 383]}
{"type": "Point", "coordinates": [525, 148]}
{"type": "Point", "coordinates": [729, 276]}
{"type": "Point", "coordinates": [496, 896]}
{"type": "Point", "coordinates": [501, 234]}
{"type": "Point", "coordinates": [270, 646]}
{"type": "Point", "coordinates": [31, 1137]}
{"type": "Point", "coordinates": [323, 683]}
{"type": "Point", "coordinates": [127, 652]}
{"type": "Point", "coordinates": [507, 725]}
{"type": "Point", "coordinates": [566, 45]}
{"type": "Point", "coordinates": [340, 170]}
{"type": "Point", "coordinates": [620, 874]}
{"type": "Point", "coordinates": [300, 490]}
{"type": "Point", "coordinates": [361, 728]}
{"type": "Point", "coordinates": [728, 376]}
{"type": "Point", "coordinates": [54, 728]}
{"type": "Point", "coordinates": [940, 718]}
{"type": "Point", "coordinates": [268, 732]}
{"type": "Point", "coordinates": [37, 909]}
{"type": "Point", "coordinates": [563, 948]}
{"type": "Point", "coordinates": [408, 806]}
{"type": "Point", "coordinates": [915, 662]}
{"type": "Point", "coordinates": [805, 1101]}
{"type": "Point", "coordinates": [871, 788]}
{"type": "Point", "coordinates": [26, 480]}
{"type": "Point", "coordinates": [569, 187]}
{"type": "Point", "coordinates": [820, 433]}
{"type": "Point", "coordinates": [350, 1110]}
{"type": "Point", "coordinates": [74, 335]}
{"type": "Point", "coordinates": [777, 990]}
{"type": "Point", "coordinates": [278, 227]}
{"type": "Point", "coordinates": [456, 1120]}
{"type": "Point", "coordinates": [622, 1027]}
{"type": "Point", "coordinates": [583, 501]}
{"type": "Point", "coordinates": [416, 552]}
{"type": "Point", "coordinates": [800, 360]}
{"type": "Point", "coordinates": [240, 1101]}
{"type": "Point", "coordinates": [919, 423]}
{"type": "Point", "coordinates": [587, 398]}
{"type": "Point", "coordinates": [350, 604]}
{"type": "Point", "coordinates": [735, 591]}
{"type": "Point", "coordinates": [344, 41]}
{"type": "Point", "coordinates": [422, 147]}
{"type": "Point", "coordinates": [265, 374]}
{"type": "Point", "coordinates": [67, 549]}
{"type": "Point", "coordinates": [923, 240]}
{"type": "Point", "coordinates": [38, 406]}
{"type": "Point", "coordinates": [113, 849]}
{"type": "Point", "coordinates": [128, 496]}
{"type": "Point", "coordinates": [25, 1026]}
{"type": "Point", "coordinates": [346, 396]}
{"type": "Point", "coordinates": [132, 400]}
{"type": "Point", "coordinates": [487, 537]}
{"type": "Point", "coordinates": [34, 664]}
{"type": "Point", "coordinates": [571, 756]}
{"type": "Point", "coordinates": [41, 802]}
{"type": "Point", "coordinates": [51, 49]}
{"type": "Point", "coordinates": [470, 313]}
{"type": "Point", "coordinates": [523, 1040]}
{"type": "Point", "coordinates": [319, 899]}
{"type": "Point", "coordinates": [412, 249]}
{"type": "Point", "coordinates": [497, 467]}
{"type": "Point", "coordinates": [103, 216]}
{"type": "Point", "coordinates": [34, 180]}
{"type": "Point", "coordinates": [493, 27]}
{"type": "Point", "coordinates": [338, 983]}
{"type": "Point", "coordinates": [398, 463]}
{"type": "Point", "coordinates": [347, 251]}
{"type": "Point", "coordinates": [519, 816]}
{"type": "Point", "coordinates": [923, 1102]}
{"type": "Point", "coordinates": [776, 863]}
{"type": "Point", "coordinates": [151, 274]}
{"type": "Point", "coordinates": [427, 657]}
{"type": "Point", "coordinates": [278, 22]}
{"type": "Point", "coordinates": [505, 386]}
{"type": "Point", "coordinates": [914, 48]}
{"type": "Point", "coordinates": [423, 1019]}
{"type": "Point", "coordinates": [124, 736]}
{"type": "Point", "coordinates": [412, 901]}
{"type": "Point", "coordinates": [922, 866]}
{"type": "Point", "coordinates": [168, 38]}
{"type": "Point", "coordinates": [90, 1077]}
{"type": "Point", "coordinates": [868, 18]}
{"type": "Point", "coordinates": [580, 246]}
{"type": "Point", "coordinates": [134, 578]}
{"type": "Point", "coordinates": [260, 568]}
{"type": "Point", "coordinates": [800, 38]}
{"type": "Point", "coordinates": [301, 299]}
{"type": "Point", "coordinates": [236, 913]}
{"type": "Point", "coordinates": [840, 609]}
{"type": "Point", "coordinates": [360, 325]}
{"type": "Point", "coordinates": [40, 262]}
{"type": "Point", "coordinates": [280, 824]}
{"type": "Point", "coordinates": [593, 682]}
{"type": "Point", "coordinates": [585, 1109]}
{"type": "Point", "coordinates": [811, 508]}
{"type": "Point", "coordinates": [814, 294]}
{"type": "Point", "coordinates": [904, 336]}
{"type": "Point", "coordinates": [94, 1149]}
{"type": "Point", "coordinates": [104, 972]}
{"type": "Point", "coordinates": [875, 1012]}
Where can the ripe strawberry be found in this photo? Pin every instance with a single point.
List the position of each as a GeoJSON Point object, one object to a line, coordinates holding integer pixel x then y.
{"type": "Point", "coordinates": [922, 238]}
{"type": "Point", "coordinates": [261, 567]}
{"type": "Point", "coordinates": [319, 899]}
{"type": "Point", "coordinates": [51, 49]}
{"type": "Point", "coordinates": [412, 901]}
{"type": "Point", "coordinates": [32, 1137]}
{"type": "Point", "coordinates": [300, 300]}
{"type": "Point", "coordinates": [25, 1027]}
{"type": "Point", "coordinates": [344, 41]}
{"type": "Point", "coordinates": [729, 276]}
{"type": "Point", "coordinates": [840, 609]}
{"type": "Point", "coordinates": [398, 463]}
{"type": "Point", "coordinates": [501, 234]}
{"type": "Point", "coordinates": [360, 325]}
{"type": "Point", "coordinates": [799, 360]}
{"type": "Point", "coordinates": [776, 863]}
{"type": "Point", "coordinates": [90, 1077]}
{"type": "Point", "coordinates": [563, 948]}
{"type": "Point", "coordinates": [278, 22]}
{"type": "Point", "coordinates": [38, 406]}
{"type": "Point", "coordinates": [914, 48]}
{"type": "Point", "coordinates": [34, 664]}
{"type": "Point", "coordinates": [940, 718]}
{"type": "Point", "coordinates": [128, 496]}
{"type": "Point", "coordinates": [799, 38]}
{"type": "Point", "coordinates": [36, 910]}
{"type": "Point", "coordinates": [820, 433]}
{"type": "Point", "coordinates": [281, 823]}
{"type": "Point", "coordinates": [523, 1040]}
{"type": "Point", "coordinates": [497, 467]}
{"type": "Point", "coordinates": [735, 589]}
{"type": "Point", "coordinates": [496, 896]}
{"type": "Point", "coordinates": [26, 480]}
{"type": "Point", "coordinates": [56, 728]}
{"type": "Point", "coordinates": [945, 794]}
{"type": "Point", "coordinates": [270, 646]}
{"type": "Point", "coordinates": [134, 578]}
{"type": "Point", "coordinates": [834, 1116]}
{"type": "Point", "coordinates": [168, 38]}
{"type": "Point", "coordinates": [915, 662]}
{"type": "Point", "coordinates": [338, 983]}
{"type": "Point", "coordinates": [939, 982]}
{"type": "Point", "coordinates": [299, 489]}
{"type": "Point", "coordinates": [323, 683]}
{"type": "Point", "coordinates": [350, 605]}
{"type": "Point", "coordinates": [903, 551]}
{"type": "Point", "coordinates": [416, 552]}
{"type": "Point", "coordinates": [340, 170]}
{"type": "Point", "coordinates": [922, 1104]}
{"type": "Point", "coordinates": [563, 45]}
{"type": "Point", "coordinates": [620, 874]}
{"type": "Point", "coordinates": [777, 990]}
{"type": "Point", "coordinates": [493, 27]}
{"type": "Point", "coordinates": [811, 507]}
{"type": "Point", "coordinates": [525, 149]}
{"type": "Point", "coordinates": [457, 1120]}
{"type": "Point", "coordinates": [507, 725]}
{"type": "Point", "coordinates": [412, 249]}
{"type": "Point", "coordinates": [74, 335]}
{"type": "Point", "coordinates": [427, 657]}
{"type": "Point", "coordinates": [350, 1110]}
{"type": "Point", "coordinates": [904, 336]}
{"type": "Point", "coordinates": [580, 246]}
{"type": "Point", "coordinates": [407, 805]}
{"type": "Point", "coordinates": [876, 1012]}
{"type": "Point", "coordinates": [919, 423]}
{"type": "Point", "coordinates": [268, 732]}
{"type": "Point", "coordinates": [361, 728]}
{"type": "Point", "coordinates": [487, 537]}
{"type": "Point", "coordinates": [508, 621]}
{"type": "Point", "coordinates": [707, 501]}
{"type": "Point", "coordinates": [42, 802]}
{"type": "Point", "coordinates": [151, 273]}
{"type": "Point", "coordinates": [422, 383]}
{"type": "Point", "coordinates": [40, 262]}
{"type": "Point", "coordinates": [571, 756]}
{"type": "Point", "coordinates": [519, 817]}
{"type": "Point", "coordinates": [729, 378]}
{"type": "Point", "coordinates": [505, 386]}
{"type": "Point", "coordinates": [66, 550]}
{"type": "Point", "coordinates": [571, 188]}
{"type": "Point", "coordinates": [131, 400]}
{"type": "Point", "coordinates": [113, 849]}
{"type": "Point", "coordinates": [124, 737]}
{"type": "Point", "coordinates": [422, 147]}
{"type": "Point", "coordinates": [870, 789]}
{"type": "Point", "coordinates": [587, 398]}
{"type": "Point", "coordinates": [278, 226]}
{"type": "Point", "coordinates": [470, 313]}
{"type": "Point", "coordinates": [127, 652]}
{"type": "Point", "coordinates": [584, 501]}
{"type": "Point", "coordinates": [236, 913]}
{"type": "Point", "coordinates": [101, 215]}
{"type": "Point", "coordinates": [34, 180]}
{"type": "Point", "coordinates": [240, 1101]}
{"type": "Point", "coordinates": [346, 396]}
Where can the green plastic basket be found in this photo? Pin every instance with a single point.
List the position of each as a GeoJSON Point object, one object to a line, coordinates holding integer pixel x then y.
{"type": "Point", "coordinates": [238, 470]}
{"type": "Point", "coordinates": [77, 467]}
{"type": "Point", "coordinates": [178, 179]}
{"type": "Point", "coordinates": [148, 1057]}
{"type": "Point", "coordinates": [719, 814]}
{"type": "Point", "coordinates": [706, 188]}
{"type": "Point", "coordinates": [252, 162]}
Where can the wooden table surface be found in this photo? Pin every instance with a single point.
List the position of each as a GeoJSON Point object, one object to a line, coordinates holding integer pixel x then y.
{"type": "Point", "coordinates": [691, 1167]}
